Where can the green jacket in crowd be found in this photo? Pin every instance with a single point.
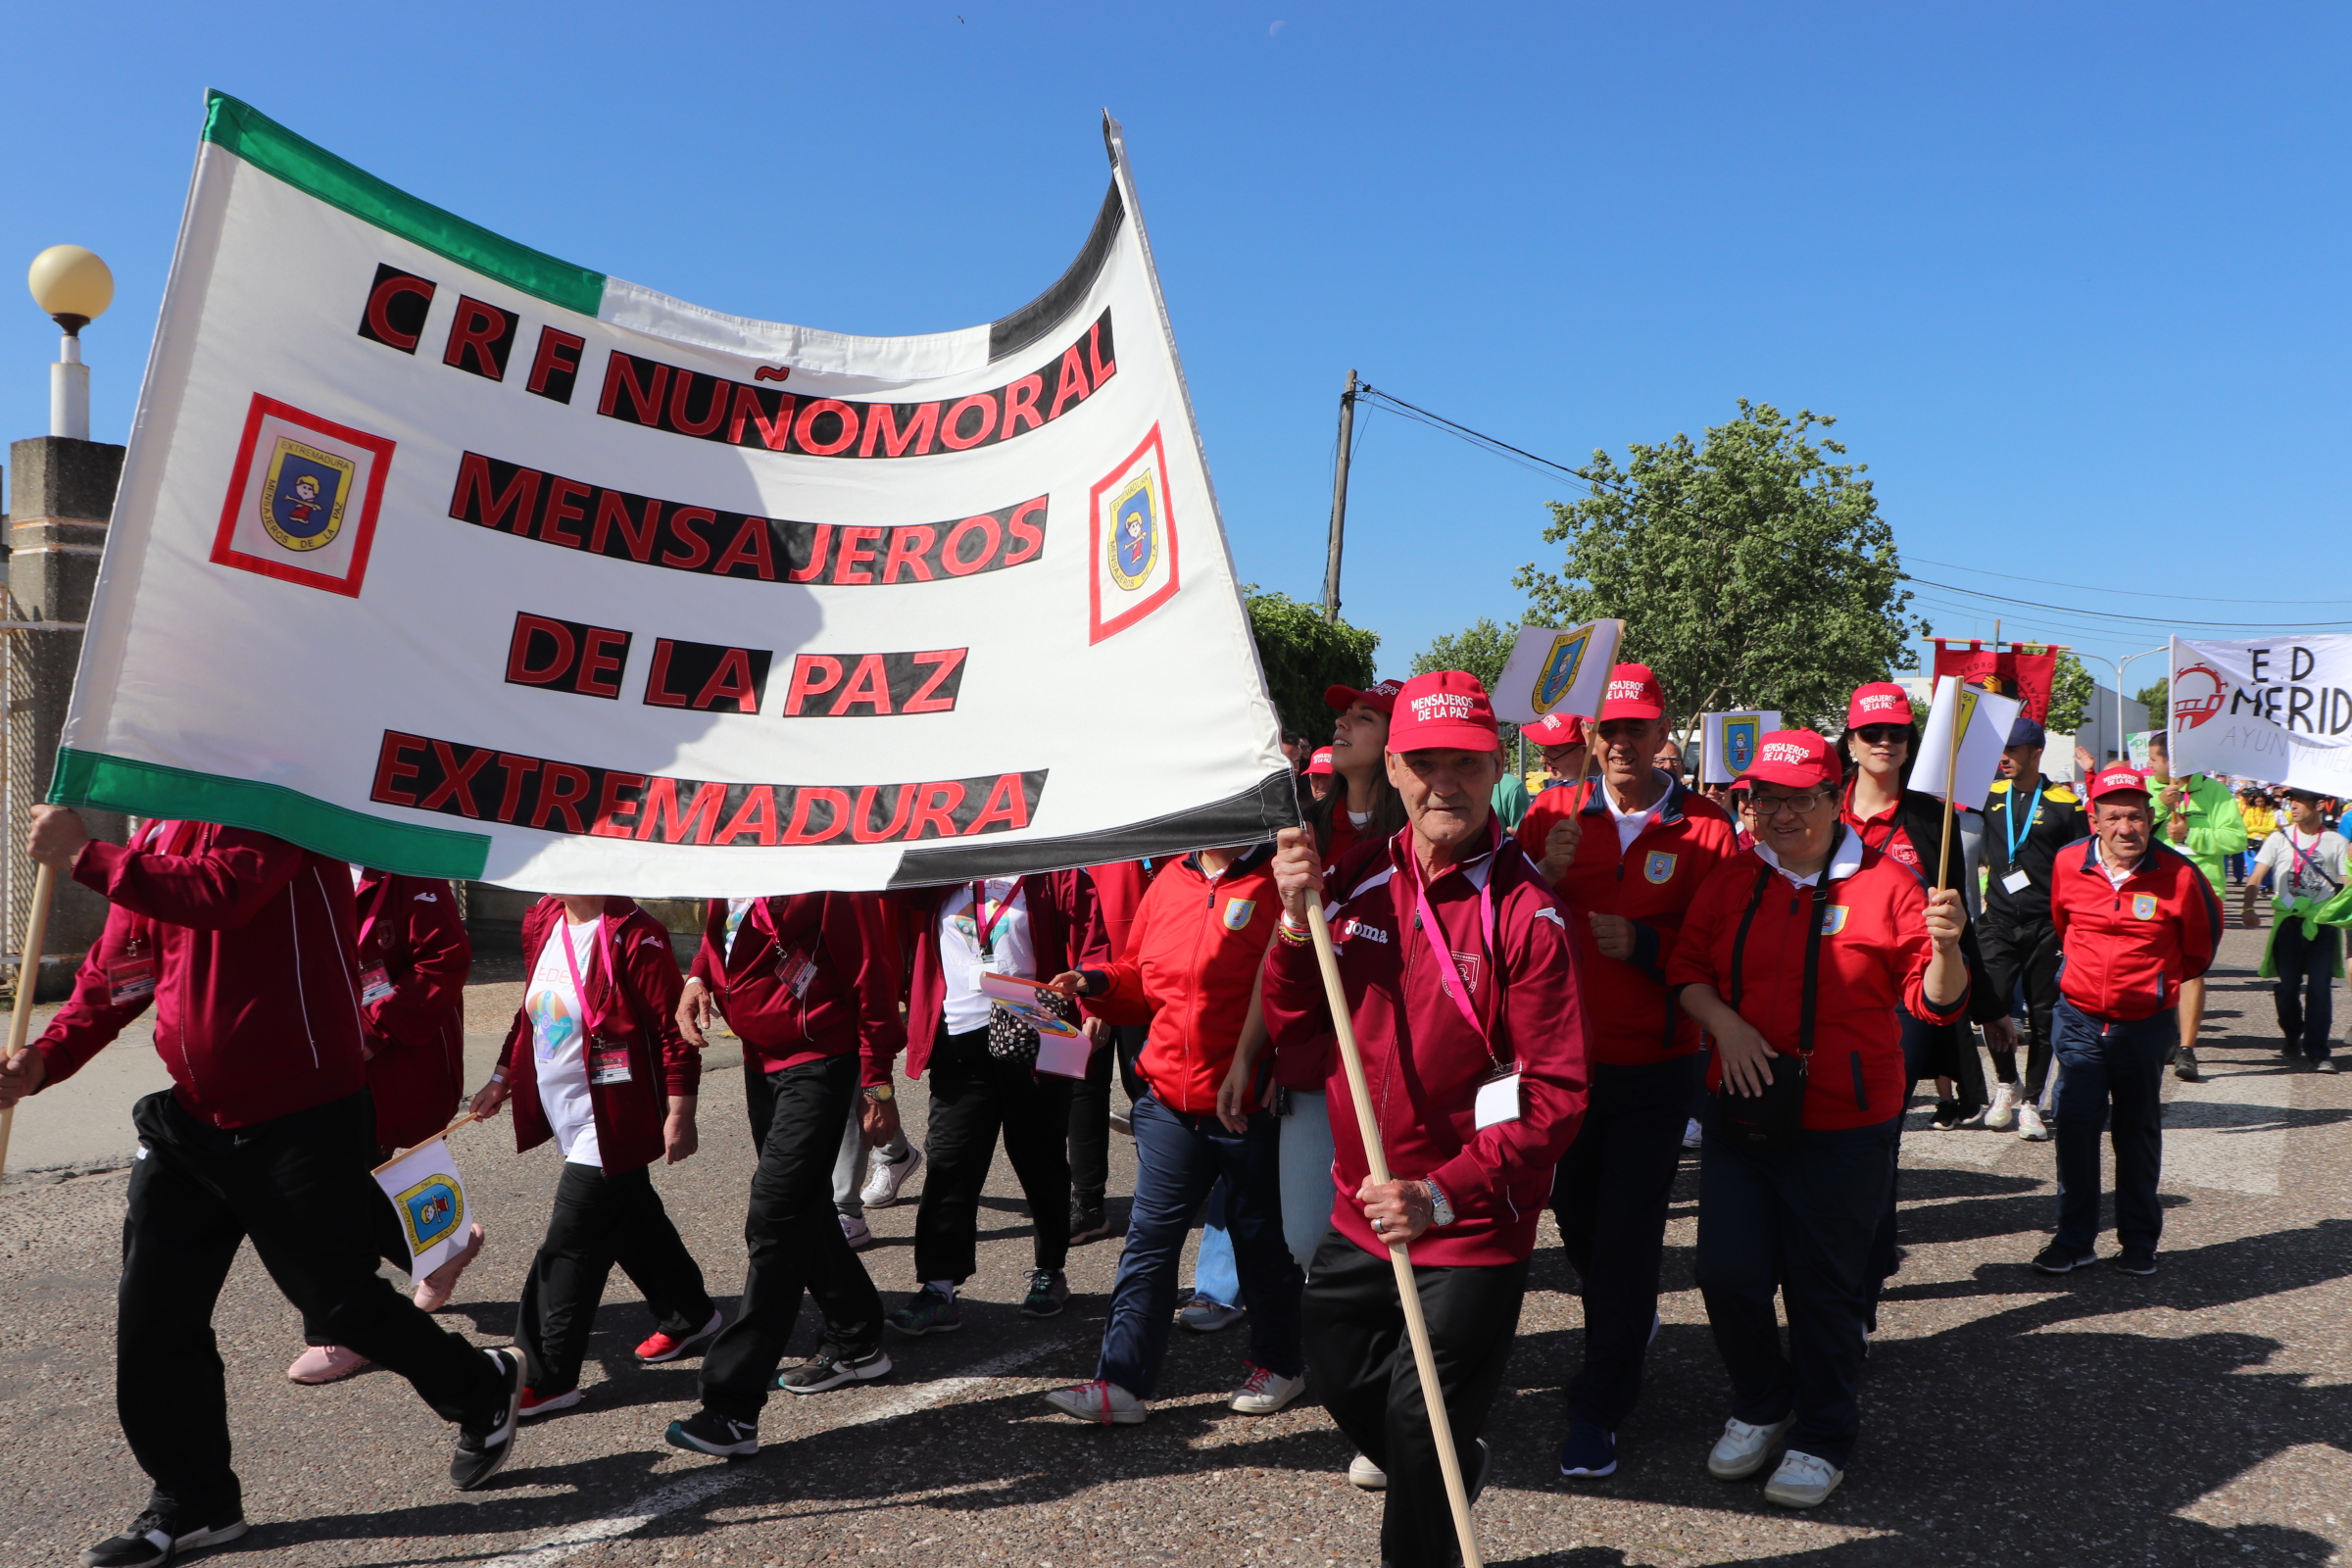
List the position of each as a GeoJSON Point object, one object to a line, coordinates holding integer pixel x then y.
{"type": "Point", "coordinates": [2217, 829]}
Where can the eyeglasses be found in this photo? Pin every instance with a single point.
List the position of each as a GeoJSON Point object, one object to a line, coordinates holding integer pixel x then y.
{"type": "Point", "coordinates": [1777, 804]}
{"type": "Point", "coordinates": [1884, 734]}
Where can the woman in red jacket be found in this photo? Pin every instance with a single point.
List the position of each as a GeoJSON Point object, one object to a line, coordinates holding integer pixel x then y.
{"type": "Point", "coordinates": [414, 960]}
{"type": "Point", "coordinates": [1190, 971]}
{"type": "Point", "coordinates": [595, 1061]}
{"type": "Point", "coordinates": [1795, 956]}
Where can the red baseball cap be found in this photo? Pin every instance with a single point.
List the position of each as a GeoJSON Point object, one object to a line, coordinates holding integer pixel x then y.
{"type": "Point", "coordinates": [1556, 729]}
{"type": "Point", "coordinates": [1796, 757]}
{"type": "Point", "coordinates": [1446, 710]}
{"type": "Point", "coordinates": [1320, 763]}
{"type": "Point", "coordinates": [1633, 693]}
{"type": "Point", "coordinates": [1882, 702]}
{"type": "Point", "coordinates": [2117, 780]}
{"type": "Point", "coordinates": [1381, 699]}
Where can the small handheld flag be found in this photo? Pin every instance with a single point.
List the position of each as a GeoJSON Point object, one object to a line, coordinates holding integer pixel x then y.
{"type": "Point", "coordinates": [429, 1196]}
{"type": "Point", "coordinates": [1554, 670]}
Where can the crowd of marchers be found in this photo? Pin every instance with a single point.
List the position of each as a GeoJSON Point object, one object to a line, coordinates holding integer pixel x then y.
{"type": "Point", "coordinates": [1554, 1001]}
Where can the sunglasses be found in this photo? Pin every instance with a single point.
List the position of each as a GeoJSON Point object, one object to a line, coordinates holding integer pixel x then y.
{"type": "Point", "coordinates": [1884, 734]}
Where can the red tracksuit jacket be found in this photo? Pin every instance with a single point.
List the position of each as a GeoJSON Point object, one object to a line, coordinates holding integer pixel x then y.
{"type": "Point", "coordinates": [2126, 949]}
{"type": "Point", "coordinates": [1423, 1061]}
{"type": "Point", "coordinates": [1874, 956]}
{"type": "Point", "coordinates": [1192, 958]}
{"type": "Point", "coordinates": [641, 1009]}
{"type": "Point", "coordinates": [417, 1076]}
{"type": "Point", "coordinates": [1060, 906]}
{"type": "Point", "coordinates": [257, 1002]}
{"type": "Point", "coordinates": [850, 1000]}
{"type": "Point", "coordinates": [1118, 891]}
{"type": "Point", "coordinates": [1628, 1001]}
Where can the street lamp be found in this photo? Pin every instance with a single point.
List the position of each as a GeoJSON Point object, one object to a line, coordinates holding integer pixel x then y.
{"type": "Point", "coordinates": [73, 287]}
{"type": "Point", "coordinates": [2122, 750]}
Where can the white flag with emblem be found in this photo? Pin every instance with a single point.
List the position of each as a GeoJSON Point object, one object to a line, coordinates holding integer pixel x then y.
{"type": "Point", "coordinates": [429, 1196]}
{"type": "Point", "coordinates": [1556, 671]}
{"type": "Point", "coordinates": [1985, 719]}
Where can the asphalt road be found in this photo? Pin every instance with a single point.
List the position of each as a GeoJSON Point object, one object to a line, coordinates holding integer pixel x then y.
{"type": "Point", "coordinates": [2200, 1416]}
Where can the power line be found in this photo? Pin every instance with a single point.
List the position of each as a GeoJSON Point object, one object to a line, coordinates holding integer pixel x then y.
{"type": "Point", "coordinates": [2136, 593]}
{"type": "Point", "coordinates": [2151, 620]}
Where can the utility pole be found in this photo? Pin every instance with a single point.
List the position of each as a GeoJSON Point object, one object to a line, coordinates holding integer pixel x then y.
{"type": "Point", "coordinates": [1339, 504]}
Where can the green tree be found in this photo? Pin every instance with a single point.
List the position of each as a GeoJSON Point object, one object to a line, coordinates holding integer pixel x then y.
{"type": "Point", "coordinates": [2157, 696]}
{"type": "Point", "coordinates": [1301, 654]}
{"type": "Point", "coordinates": [2070, 692]}
{"type": "Point", "coordinates": [1751, 571]}
{"type": "Point", "coordinates": [1481, 647]}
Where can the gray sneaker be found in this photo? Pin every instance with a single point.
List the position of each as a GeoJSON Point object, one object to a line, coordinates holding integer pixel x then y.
{"type": "Point", "coordinates": [1206, 1315]}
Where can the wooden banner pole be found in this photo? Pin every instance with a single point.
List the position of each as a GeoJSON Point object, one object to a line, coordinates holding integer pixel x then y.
{"type": "Point", "coordinates": [1408, 1293]}
{"type": "Point", "coordinates": [29, 977]}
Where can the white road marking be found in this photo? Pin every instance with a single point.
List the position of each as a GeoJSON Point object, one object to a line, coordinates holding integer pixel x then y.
{"type": "Point", "coordinates": [704, 1485]}
{"type": "Point", "coordinates": [2226, 1132]}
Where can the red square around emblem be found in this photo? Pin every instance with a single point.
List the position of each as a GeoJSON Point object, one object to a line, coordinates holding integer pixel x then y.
{"type": "Point", "coordinates": [302, 498]}
{"type": "Point", "coordinates": [1132, 561]}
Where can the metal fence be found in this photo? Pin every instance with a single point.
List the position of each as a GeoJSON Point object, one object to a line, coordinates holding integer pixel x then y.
{"type": "Point", "coordinates": [22, 785]}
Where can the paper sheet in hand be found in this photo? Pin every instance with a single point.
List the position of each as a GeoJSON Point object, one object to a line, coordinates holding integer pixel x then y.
{"type": "Point", "coordinates": [429, 1196]}
{"type": "Point", "coordinates": [1985, 720]}
{"type": "Point", "coordinates": [1556, 671]}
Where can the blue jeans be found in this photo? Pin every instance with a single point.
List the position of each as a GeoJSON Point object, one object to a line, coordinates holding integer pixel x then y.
{"type": "Point", "coordinates": [1178, 1158]}
{"type": "Point", "coordinates": [2306, 986]}
{"type": "Point", "coordinates": [1799, 1221]}
{"type": "Point", "coordinates": [1216, 1274]}
{"type": "Point", "coordinates": [2104, 1063]}
{"type": "Point", "coordinates": [1308, 1192]}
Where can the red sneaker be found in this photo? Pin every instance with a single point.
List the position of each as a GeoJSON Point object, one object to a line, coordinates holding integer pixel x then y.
{"type": "Point", "coordinates": [537, 1404]}
{"type": "Point", "coordinates": [661, 1348]}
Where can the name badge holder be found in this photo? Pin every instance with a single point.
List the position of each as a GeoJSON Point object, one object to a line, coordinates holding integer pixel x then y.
{"type": "Point", "coordinates": [376, 985]}
{"type": "Point", "coordinates": [794, 970]}
{"type": "Point", "coordinates": [130, 978]}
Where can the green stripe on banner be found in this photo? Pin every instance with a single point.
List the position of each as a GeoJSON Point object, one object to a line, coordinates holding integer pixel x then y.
{"type": "Point", "coordinates": [150, 789]}
{"type": "Point", "coordinates": [268, 145]}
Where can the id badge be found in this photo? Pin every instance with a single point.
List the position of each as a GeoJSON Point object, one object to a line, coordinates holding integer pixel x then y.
{"type": "Point", "coordinates": [796, 970]}
{"type": "Point", "coordinates": [608, 1060]}
{"type": "Point", "coordinates": [1498, 1100]}
{"type": "Point", "coordinates": [375, 986]}
{"type": "Point", "coordinates": [2016, 881]}
{"type": "Point", "coordinates": [132, 978]}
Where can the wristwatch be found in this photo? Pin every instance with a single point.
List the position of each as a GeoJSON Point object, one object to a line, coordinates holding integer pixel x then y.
{"type": "Point", "coordinates": [1440, 1212]}
{"type": "Point", "coordinates": [880, 1092]}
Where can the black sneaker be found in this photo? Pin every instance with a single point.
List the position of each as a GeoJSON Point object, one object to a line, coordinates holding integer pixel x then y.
{"type": "Point", "coordinates": [160, 1534]}
{"type": "Point", "coordinates": [2054, 1259]}
{"type": "Point", "coordinates": [2184, 1065]}
{"type": "Point", "coordinates": [1088, 1224]}
{"type": "Point", "coordinates": [2142, 1263]}
{"type": "Point", "coordinates": [1049, 1292]}
{"type": "Point", "coordinates": [708, 1431]}
{"type": "Point", "coordinates": [483, 1444]}
{"type": "Point", "coordinates": [833, 1368]}
{"type": "Point", "coordinates": [1948, 1114]}
{"type": "Point", "coordinates": [1476, 1483]}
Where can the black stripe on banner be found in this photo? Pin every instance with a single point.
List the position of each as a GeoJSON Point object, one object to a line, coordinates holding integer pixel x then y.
{"type": "Point", "coordinates": [1010, 334]}
{"type": "Point", "coordinates": [1252, 817]}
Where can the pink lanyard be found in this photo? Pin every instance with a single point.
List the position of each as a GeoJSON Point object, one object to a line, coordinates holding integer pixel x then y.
{"type": "Point", "coordinates": [2305, 860]}
{"type": "Point", "coordinates": [578, 987]}
{"type": "Point", "coordinates": [1427, 919]}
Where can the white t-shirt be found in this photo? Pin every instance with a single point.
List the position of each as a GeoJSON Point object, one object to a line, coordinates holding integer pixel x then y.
{"type": "Point", "coordinates": [2302, 866]}
{"type": "Point", "coordinates": [560, 1043]}
{"type": "Point", "coordinates": [1630, 825]}
{"type": "Point", "coordinates": [959, 949]}
{"type": "Point", "coordinates": [737, 910]}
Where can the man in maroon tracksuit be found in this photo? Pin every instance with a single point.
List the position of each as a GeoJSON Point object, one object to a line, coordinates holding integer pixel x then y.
{"type": "Point", "coordinates": [1462, 985]}
{"type": "Point", "coordinates": [244, 944]}
{"type": "Point", "coordinates": [811, 984]}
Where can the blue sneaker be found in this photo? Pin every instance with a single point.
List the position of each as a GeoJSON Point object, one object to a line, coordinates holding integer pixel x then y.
{"type": "Point", "coordinates": [1590, 1450]}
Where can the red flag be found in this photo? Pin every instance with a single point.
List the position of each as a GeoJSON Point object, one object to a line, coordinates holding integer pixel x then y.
{"type": "Point", "coordinates": [2024, 672]}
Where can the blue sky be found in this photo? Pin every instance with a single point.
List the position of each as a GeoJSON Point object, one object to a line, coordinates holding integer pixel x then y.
{"type": "Point", "coordinates": [2070, 277]}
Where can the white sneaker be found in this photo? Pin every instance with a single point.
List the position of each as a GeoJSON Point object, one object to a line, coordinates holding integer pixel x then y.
{"type": "Point", "coordinates": [1744, 1449]}
{"type": "Point", "coordinates": [1801, 1481]}
{"type": "Point", "coordinates": [855, 1231]}
{"type": "Point", "coordinates": [885, 1180]}
{"type": "Point", "coordinates": [1362, 1472]}
{"type": "Point", "coordinates": [2003, 1113]}
{"type": "Point", "coordinates": [1262, 1393]}
{"type": "Point", "coordinates": [2030, 1125]}
{"type": "Point", "coordinates": [1106, 1404]}
{"type": "Point", "coordinates": [1692, 1136]}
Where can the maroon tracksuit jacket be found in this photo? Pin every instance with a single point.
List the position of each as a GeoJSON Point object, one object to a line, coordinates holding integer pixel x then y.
{"type": "Point", "coordinates": [812, 975]}
{"type": "Point", "coordinates": [417, 1076]}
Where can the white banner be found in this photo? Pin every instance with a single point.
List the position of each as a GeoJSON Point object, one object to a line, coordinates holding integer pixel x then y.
{"type": "Point", "coordinates": [1728, 742]}
{"type": "Point", "coordinates": [435, 552]}
{"type": "Point", "coordinates": [1556, 671]}
{"type": "Point", "coordinates": [429, 1196]}
{"type": "Point", "coordinates": [2278, 709]}
{"type": "Point", "coordinates": [1985, 719]}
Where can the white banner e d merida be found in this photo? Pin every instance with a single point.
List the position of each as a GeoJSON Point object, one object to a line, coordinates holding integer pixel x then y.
{"type": "Point", "coordinates": [435, 552]}
{"type": "Point", "coordinates": [2275, 709]}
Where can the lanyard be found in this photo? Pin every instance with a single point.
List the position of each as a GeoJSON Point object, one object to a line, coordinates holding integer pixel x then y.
{"type": "Point", "coordinates": [578, 989]}
{"type": "Point", "coordinates": [1427, 919]}
{"type": "Point", "coordinates": [2307, 860]}
{"type": "Point", "coordinates": [2009, 822]}
{"type": "Point", "coordinates": [981, 925]}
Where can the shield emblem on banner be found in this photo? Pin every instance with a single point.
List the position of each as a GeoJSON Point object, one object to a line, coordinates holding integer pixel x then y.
{"type": "Point", "coordinates": [1558, 677]}
{"type": "Point", "coordinates": [1135, 532]}
{"type": "Point", "coordinates": [431, 1210]}
{"type": "Point", "coordinates": [1659, 867]}
{"type": "Point", "coordinates": [303, 493]}
{"type": "Point", "coordinates": [1739, 743]}
{"type": "Point", "coordinates": [2143, 905]}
